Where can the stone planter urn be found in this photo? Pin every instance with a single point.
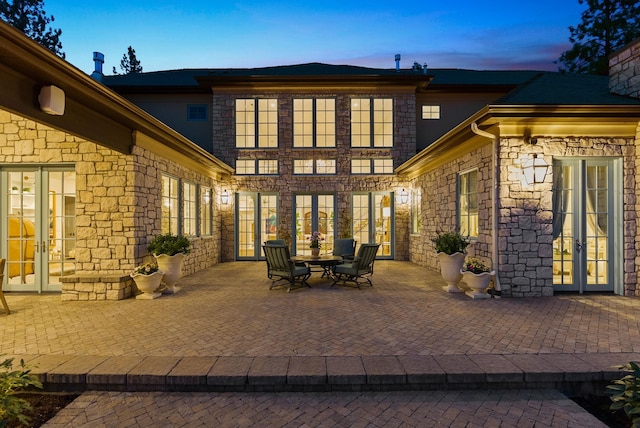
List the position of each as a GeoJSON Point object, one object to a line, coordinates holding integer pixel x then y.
{"type": "Point", "coordinates": [478, 282]}
{"type": "Point", "coordinates": [172, 267]}
{"type": "Point", "coordinates": [148, 284]}
{"type": "Point", "coordinates": [450, 266]}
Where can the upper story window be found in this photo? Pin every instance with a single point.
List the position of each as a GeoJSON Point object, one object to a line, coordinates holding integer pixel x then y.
{"type": "Point", "coordinates": [197, 113]}
{"type": "Point", "coordinates": [310, 166]}
{"type": "Point", "coordinates": [372, 122]}
{"type": "Point", "coordinates": [170, 204]}
{"type": "Point", "coordinates": [314, 122]}
{"type": "Point", "coordinates": [256, 123]}
{"type": "Point", "coordinates": [245, 166]}
{"type": "Point", "coordinates": [189, 211]}
{"type": "Point", "coordinates": [468, 203]}
{"type": "Point", "coordinates": [268, 166]}
{"type": "Point", "coordinates": [371, 166]}
{"type": "Point", "coordinates": [264, 166]}
{"type": "Point", "coordinates": [431, 112]}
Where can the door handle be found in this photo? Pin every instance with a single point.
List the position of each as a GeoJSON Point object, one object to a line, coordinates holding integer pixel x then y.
{"type": "Point", "coordinates": [579, 245]}
{"type": "Point", "coordinates": [36, 244]}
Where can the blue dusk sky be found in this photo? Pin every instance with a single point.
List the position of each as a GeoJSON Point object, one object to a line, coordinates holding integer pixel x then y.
{"type": "Point", "coordinates": [489, 35]}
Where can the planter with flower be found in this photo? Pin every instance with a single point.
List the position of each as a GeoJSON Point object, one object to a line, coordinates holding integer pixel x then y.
{"type": "Point", "coordinates": [147, 278]}
{"type": "Point", "coordinates": [477, 276]}
{"type": "Point", "coordinates": [315, 243]}
{"type": "Point", "coordinates": [450, 247]}
{"type": "Point", "coordinates": [170, 251]}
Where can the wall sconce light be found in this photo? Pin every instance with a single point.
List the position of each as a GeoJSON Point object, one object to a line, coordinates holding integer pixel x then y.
{"type": "Point", "coordinates": [534, 169]}
{"type": "Point", "coordinates": [404, 196]}
{"type": "Point", "coordinates": [52, 100]}
{"type": "Point", "coordinates": [224, 197]}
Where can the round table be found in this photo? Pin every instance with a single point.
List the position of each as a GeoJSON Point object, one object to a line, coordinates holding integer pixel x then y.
{"type": "Point", "coordinates": [326, 262]}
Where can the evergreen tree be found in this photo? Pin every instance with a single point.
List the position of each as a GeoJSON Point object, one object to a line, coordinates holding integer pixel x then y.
{"type": "Point", "coordinates": [606, 26]}
{"type": "Point", "coordinates": [129, 63]}
{"type": "Point", "coordinates": [29, 17]}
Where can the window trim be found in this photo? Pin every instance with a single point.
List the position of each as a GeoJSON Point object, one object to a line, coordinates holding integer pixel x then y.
{"type": "Point", "coordinates": [431, 113]}
{"type": "Point", "coordinates": [468, 216]}
{"type": "Point", "coordinates": [373, 124]}
{"type": "Point", "coordinates": [206, 113]}
{"type": "Point", "coordinates": [314, 124]}
{"type": "Point", "coordinates": [258, 113]}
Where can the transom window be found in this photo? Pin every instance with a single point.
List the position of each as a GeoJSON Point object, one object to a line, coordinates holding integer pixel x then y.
{"type": "Point", "coordinates": [431, 112]}
{"type": "Point", "coordinates": [257, 123]}
{"type": "Point", "coordinates": [310, 166]}
{"type": "Point", "coordinates": [264, 166]}
{"type": "Point", "coordinates": [372, 122]}
{"type": "Point", "coordinates": [245, 166]}
{"type": "Point", "coordinates": [267, 166]}
{"type": "Point", "coordinates": [372, 166]}
{"type": "Point", "coordinates": [314, 122]}
{"type": "Point", "coordinates": [468, 203]}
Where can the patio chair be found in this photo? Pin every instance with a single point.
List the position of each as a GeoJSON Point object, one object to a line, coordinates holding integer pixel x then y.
{"type": "Point", "coordinates": [345, 248]}
{"type": "Point", "coordinates": [281, 268]}
{"type": "Point", "coordinates": [361, 267]}
{"type": "Point", "coordinates": [4, 302]}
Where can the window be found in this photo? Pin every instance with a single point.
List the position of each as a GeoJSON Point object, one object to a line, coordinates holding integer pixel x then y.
{"type": "Point", "coordinates": [170, 204]}
{"type": "Point", "coordinates": [206, 210]}
{"type": "Point", "coordinates": [468, 203]}
{"type": "Point", "coordinates": [372, 122]}
{"type": "Point", "coordinates": [257, 123]}
{"type": "Point", "coordinates": [430, 112]}
{"type": "Point", "coordinates": [197, 112]}
{"type": "Point", "coordinates": [245, 166]}
{"type": "Point", "coordinates": [314, 122]}
{"type": "Point", "coordinates": [416, 211]}
{"type": "Point", "coordinates": [267, 166]}
{"type": "Point", "coordinates": [371, 166]}
{"type": "Point", "coordinates": [309, 166]}
{"type": "Point", "coordinates": [189, 211]}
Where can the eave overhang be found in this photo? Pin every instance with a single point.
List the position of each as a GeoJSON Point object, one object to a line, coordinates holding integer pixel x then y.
{"type": "Point", "coordinates": [92, 111]}
{"type": "Point", "coordinates": [519, 120]}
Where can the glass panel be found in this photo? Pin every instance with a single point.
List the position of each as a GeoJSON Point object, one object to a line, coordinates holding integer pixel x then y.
{"type": "Point", "coordinates": [62, 225]}
{"type": "Point", "coordinates": [189, 211]}
{"type": "Point", "coordinates": [21, 230]}
{"type": "Point", "coordinates": [245, 123]}
{"type": "Point", "coordinates": [246, 225]}
{"type": "Point", "coordinates": [563, 245]}
{"type": "Point", "coordinates": [360, 217]}
{"type": "Point", "coordinates": [326, 222]}
{"type": "Point", "coordinates": [205, 211]}
{"type": "Point", "coordinates": [597, 219]}
{"type": "Point", "coordinates": [269, 217]}
{"type": "Point", "coordinates": [382, 213]}
{"type": "Point", "coordinates": [170, 205]}
{"type": "Point", "coordinates": [304, 224]}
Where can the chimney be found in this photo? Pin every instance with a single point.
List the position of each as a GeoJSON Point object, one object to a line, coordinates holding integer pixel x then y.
{"type": "Point", "coordinates": [397, 62]}
{"type": "Point", "coordinates": [624, 70]}
{"type": "Point", "coordinates": [98, 60]}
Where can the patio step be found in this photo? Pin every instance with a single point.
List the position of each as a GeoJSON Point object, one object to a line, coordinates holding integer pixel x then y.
{"type": "Point", "coordinates": [567, 372]}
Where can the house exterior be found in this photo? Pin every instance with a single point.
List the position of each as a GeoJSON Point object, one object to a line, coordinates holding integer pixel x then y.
{"type": "Point", "coordinates": [235, 157]}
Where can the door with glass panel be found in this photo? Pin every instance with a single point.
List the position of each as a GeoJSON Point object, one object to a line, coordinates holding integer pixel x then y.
{"type": "Point", "coordinates": [39, 226]}
{"type": "Point", "coordinates": [372, 220]}
{"type": "Point", "coordinates": [587, 236]}
{"type": "Point", "coordinates": [314, 213]}
{"type": "Point", "coordinates": [256, 222]}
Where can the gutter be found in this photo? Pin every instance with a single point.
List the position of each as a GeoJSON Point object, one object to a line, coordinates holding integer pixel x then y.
{"type": "Point", "coordinates": [494, 197]}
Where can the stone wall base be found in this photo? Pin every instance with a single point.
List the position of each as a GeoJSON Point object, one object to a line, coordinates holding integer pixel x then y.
{"type": "Point", "coordinates": [96, 287]}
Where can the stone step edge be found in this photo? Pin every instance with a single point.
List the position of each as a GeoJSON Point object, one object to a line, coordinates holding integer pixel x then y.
{"type": "Point", "coordinates": [317, 373]}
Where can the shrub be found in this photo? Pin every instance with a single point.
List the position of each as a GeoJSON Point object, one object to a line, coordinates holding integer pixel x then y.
{"type": "Point", "coordinates": [625, 392]}
{"type": "Point", "coordinates": [450, 243]}
{"type": "Point", "coordinates": [169, 244]}
{"type": "Point", "coordinates": [12, 381]}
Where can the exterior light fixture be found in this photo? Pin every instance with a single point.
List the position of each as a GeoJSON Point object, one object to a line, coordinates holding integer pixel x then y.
{"type": "Point", "coordinates": [404, 196]}
{"type": "Point", "coordinates": [224, 197]}
{"type": "Point", "coordinates": [534, 169]}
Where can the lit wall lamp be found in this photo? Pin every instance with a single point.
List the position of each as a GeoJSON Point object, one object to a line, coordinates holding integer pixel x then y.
{"type": "Point", "coordinates": [404, 196]}
{"type": "Point", "coordinates": [224, 197]}
{"type": "Point", "coordinates": [534, 169]}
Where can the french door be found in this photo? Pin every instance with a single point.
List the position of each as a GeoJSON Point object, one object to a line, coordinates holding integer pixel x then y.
{"type": "Point", "coordinates": [373, 222]}
{"type": "Point", "coordinates": [314, 213]}
{"type": "Point", "coordinates": [587, 225]}
{"type": "Point", "coordinates": [256, 222]}
{"type": "Point", "coordinates": [38, 226]}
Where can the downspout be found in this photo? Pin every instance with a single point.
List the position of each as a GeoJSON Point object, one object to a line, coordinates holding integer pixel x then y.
{"type": "Point", "coordinates": [494, 197]}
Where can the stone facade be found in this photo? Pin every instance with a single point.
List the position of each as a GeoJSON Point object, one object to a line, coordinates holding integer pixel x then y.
{"type": "Point", "coordinates": [118, 204]}
{"type": "Point", "coordinates": [624, 71]}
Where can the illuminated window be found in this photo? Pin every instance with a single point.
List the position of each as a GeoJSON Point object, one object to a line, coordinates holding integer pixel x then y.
{"type": "Point", "coordinates": [257, 123]}
{"type": "Point", "coordinates": [416, 210]}
{"type": "Point", "coordinates": [372, 122]}
{"type": "Point", "coordinates": [430, 112]}
{"type": "Point", "coordinates": [383, 166]}
{"type": "Point", "coordinates": [360, 166]}
{"type": "Point", "coordinates": [303, 166]}
{"type": "Point", "coordinates": [170, 204]}
{"type": "Point", "coordinates": [245, 166]}
{"type": "Point", "coordinates": [189, 210]}
{"type": "Point", "coordinates": [309, 166]}
{"type": "Point", "coordinates": [206, 210]}
{"type": "Point", "coordinates": [314, 122]}
{"type": "Point", "coordinates": [468, 203]}
{"type": "Point", "coordinates": [325, 166]}
{"type": "Point", "coordinates": [371, 166]}
{"type": "Point", "coordinates": [268, 166]}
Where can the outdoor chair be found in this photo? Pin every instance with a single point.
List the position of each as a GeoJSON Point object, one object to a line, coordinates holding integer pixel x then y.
{"type": "Point", "coordinates": [4, 302]}
{"type": "Point", "coordinates": [281, 268]}
{"type": "Point", "coordinates": [345, 248]}
{"type": "Point", "coordinates": [361, 267]}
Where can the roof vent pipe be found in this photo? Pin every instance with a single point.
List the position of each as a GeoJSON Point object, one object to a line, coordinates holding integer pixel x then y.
{"type": "Point", "coordinates": [98, 60]}
{"type": "Point", "coordinates": [397, 62]}
{"type": "Point", "coordinates": [424, 68]}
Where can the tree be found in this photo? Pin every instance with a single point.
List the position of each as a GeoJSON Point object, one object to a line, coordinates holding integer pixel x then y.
{"type": "Point", "coordinates": [129, 63]}
{"type": "Point", "coordinates": [606, 26]}
{"type": "Point", "coordinates": [29, 17]}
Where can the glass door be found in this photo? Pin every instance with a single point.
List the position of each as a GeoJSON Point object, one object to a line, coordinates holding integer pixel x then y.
{"type": "Point", "coordinates": [39, 226]}
{"type": "Point", "coordinates": [586, 211]}
{"type": "Point", "coordinates": [314, 213]}
{"type": "Point", "coordinates": [372, 217]}
{"type": "Point", "coordinates": [256, 222]}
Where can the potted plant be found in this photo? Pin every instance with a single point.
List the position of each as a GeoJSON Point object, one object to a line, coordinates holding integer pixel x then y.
{"type": "Point", "coordinates": [477, 275]}
{"type": "Point", "coordinates": [450, 247]}
{"type": "Point", "coordinates": [147, 277]}
{"type": "Point", "coordinates": [315, 239]}
{"type": "Point", "coordinates": [170, 251]}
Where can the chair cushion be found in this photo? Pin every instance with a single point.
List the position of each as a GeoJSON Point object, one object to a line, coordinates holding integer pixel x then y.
{"type": "Point", "coordinates": [300, 270]}
{"type": "Point", "coordinates": [347, 269]}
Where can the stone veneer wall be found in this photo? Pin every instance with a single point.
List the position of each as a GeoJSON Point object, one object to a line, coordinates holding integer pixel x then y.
{"type": "Point", "coordinates": [624, 71]}
{"type": "Point", "coordinates": [118, 205]}
{"type": "Point", "coordinates": [343, 183]}
{"type": "Point", "coordinates": [525, 212]}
